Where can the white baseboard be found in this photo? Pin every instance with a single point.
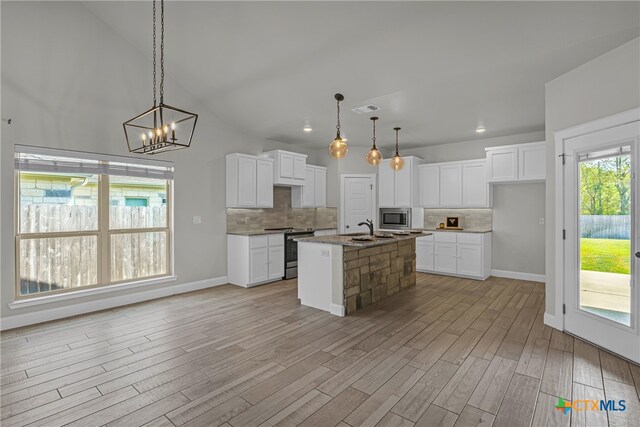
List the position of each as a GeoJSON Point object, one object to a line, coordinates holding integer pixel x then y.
{"type": "Point", "coordinates": [519, 276]}
{"type": "Point", "coordinates": [337, 310]}
{"type": "Point", "coordinates": [553, 321]}
{"type": "Point", "coordinates": [74, 309]}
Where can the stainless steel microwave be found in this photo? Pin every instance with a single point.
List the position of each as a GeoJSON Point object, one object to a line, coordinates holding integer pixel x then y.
{"type": "Point", "coordinates": [395, 218]}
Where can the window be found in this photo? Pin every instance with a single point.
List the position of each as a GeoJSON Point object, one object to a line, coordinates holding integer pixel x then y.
{"type": "Point", "coordinates": [86, 220]}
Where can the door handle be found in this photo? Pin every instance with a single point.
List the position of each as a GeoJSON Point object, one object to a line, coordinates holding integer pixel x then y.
{"type": "Point", "coordinates": [637, 254]}
{"type": "Point", "coordinates": [347, 226]}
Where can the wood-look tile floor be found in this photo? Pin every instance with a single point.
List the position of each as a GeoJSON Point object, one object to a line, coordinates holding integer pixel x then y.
{"type": "Point", "coordinates": [451, 352]}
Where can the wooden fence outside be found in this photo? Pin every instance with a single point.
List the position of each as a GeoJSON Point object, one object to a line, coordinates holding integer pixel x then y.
{"type": "Point", "coordinates": [63, 262]}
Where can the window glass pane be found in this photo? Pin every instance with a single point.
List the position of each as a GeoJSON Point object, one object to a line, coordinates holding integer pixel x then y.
{"type": "Point", "coordinates": [137, 202]}
{"type": "Point", "coordinates": [52, 202]}
{"type": "Point", "coordinates": [138, 255]}
{"type": "Point", "coordinates": [52, 264]}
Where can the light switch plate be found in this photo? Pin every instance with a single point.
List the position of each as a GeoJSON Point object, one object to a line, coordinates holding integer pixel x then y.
{"type": "Point", "coordinates": [541, 221]}
{"type": "Point", "coordinates": [197, 219]}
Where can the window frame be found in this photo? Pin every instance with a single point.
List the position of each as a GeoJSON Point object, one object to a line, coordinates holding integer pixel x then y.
{"type": "Point", "coordinates": [103, 234]}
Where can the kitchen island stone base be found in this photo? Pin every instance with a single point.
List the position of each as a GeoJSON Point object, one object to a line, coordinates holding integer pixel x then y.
{"type": "Point", "coordinates": [374, 274]}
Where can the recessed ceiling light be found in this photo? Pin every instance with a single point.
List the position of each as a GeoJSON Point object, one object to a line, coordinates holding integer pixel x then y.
{"type": "Point", "coordinates": [307, 129]}
{"type": "Point", "coordinates": [480, 129]}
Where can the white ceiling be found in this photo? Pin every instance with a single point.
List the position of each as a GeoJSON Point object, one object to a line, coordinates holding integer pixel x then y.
{"type": "Point", "coordinates": [438, 70]}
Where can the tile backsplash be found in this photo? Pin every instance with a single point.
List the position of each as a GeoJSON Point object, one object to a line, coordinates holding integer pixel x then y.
{"type": "Point", "coordinates": [281, 215]}
{"type": "Point", "coordinates": [473, 219]}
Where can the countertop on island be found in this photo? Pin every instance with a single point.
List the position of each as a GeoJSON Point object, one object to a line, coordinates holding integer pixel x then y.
{"type": "Point", "coordinates": [346, 240]}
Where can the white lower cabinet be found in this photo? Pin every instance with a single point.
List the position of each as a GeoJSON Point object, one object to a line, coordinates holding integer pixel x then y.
{"type": "Point", "coordinates": [457, 254]}
{"type": "Point", "coordinates": [254, 260]}
{"type": "Point", "coordinates": [424, 253]}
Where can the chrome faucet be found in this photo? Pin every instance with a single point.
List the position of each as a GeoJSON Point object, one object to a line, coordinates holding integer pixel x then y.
{"type": "Point", "coordinates": [369, 224]}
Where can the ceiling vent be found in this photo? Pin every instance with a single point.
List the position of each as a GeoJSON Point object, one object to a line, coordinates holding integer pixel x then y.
{"type": "Point", "coordinates": [365, 109]}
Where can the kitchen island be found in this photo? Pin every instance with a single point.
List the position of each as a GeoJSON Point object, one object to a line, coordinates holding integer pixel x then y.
{"type": "Point", "coordinates": [341, 275]}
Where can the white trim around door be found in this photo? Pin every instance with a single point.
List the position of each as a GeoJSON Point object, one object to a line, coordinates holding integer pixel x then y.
{"type": "Point", "coordinates": [374, 198]}
{"type": "Point", "coordinates": [556, 320]}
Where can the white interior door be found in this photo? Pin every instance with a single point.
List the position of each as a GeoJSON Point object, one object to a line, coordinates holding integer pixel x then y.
{"type": "Point", "coordinates": [602, 266]}
{"type": "Point", "coordinates": [357, 203]}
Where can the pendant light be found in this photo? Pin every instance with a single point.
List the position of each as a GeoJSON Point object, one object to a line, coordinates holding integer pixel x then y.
{"type": "Point", "coordinates": [162, 127]}
{"type": "Point", "coordinates": [396, 162]}
{"type": "Point", "coordinates": [374, 157]}
{"type": "Point", "coordinates": [338, 147]}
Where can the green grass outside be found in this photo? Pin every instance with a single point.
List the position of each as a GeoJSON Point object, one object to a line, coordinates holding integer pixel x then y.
{"type": "Point", "coordinates": [607, 255]}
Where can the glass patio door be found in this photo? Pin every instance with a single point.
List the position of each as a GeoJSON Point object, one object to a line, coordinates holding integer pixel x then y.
{"type": "Point", "coordinates": [602, 269]}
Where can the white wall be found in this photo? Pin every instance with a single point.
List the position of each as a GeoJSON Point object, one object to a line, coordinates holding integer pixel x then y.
{"type": "Point", "coordinates": [68, 81]}
{"type": "Point", "coordinates": [602, 87]}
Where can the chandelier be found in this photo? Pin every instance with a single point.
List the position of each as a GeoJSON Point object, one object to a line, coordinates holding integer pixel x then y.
{"type": "Point", "coordinates": [163, 127]}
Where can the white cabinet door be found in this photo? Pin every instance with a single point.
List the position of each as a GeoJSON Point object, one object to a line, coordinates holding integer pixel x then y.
{"type": "Point", "coordinates": [264, 184]}
{"type": "Point", "coordinates": [386, 185]}
{"type": "Point", "coordinates": [429, 177]}
{"type": "Point", "coordinates": [286, 166]}
{"type": "Point", "coordinates": [502, 164]}
{"type": "Point", "coordinates": [531, 163]}
{"type": "Point", "coordinates": [451, 185]}
{"type": "Point", "coordinates": [276, 262]}
{"type": "Point", "coordinates": [247, 190]}
{"type": "Point", "coordinates": [299, 167]}
{"type": "Point", "coordinates": [469, 260]}
{"type": "Point", "coordinates": [424, 255]}
{"type": "Point", "coordinates": [474, 185]}
{"type": "Point", "coordinates": [308, 190]}
{"type": "Point", "coordinates": [258, 265]}
{"type": "Point", "coordinates": [402, 186]}
{"type": "Point", "coordinates": [320, 187]}
{"type": "Point", "coordinates": [445, 259]}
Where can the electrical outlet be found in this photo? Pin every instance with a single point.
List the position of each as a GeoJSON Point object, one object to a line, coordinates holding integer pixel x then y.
{"type": "Point", "coordinates": [541, 221]}
{"type": "Point", "coordinates": [197, 219]}
{"type": "Point", "coordinates": [430, 219]}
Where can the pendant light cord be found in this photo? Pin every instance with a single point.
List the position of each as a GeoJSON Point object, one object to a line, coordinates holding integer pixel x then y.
{"type": "Point", "coordinates": [338, 125]}
{"type": "Point", "coordinates": [374, 135]}
{"type": "Point", "coordinates": [161, 51]}
{"type": "Point", "coordinates": [397, 142]}
{"type": "Point", "coordinates": [154, 53]}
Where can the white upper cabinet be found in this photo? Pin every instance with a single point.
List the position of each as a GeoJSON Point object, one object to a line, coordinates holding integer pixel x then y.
{"type": "Point", "coordinates": [451, 185]}
{"type": "Point", "coordinates": [503, 164]}
{"type": "Point", "coordinates": [429, 176]}
{"type": "Point", "coordinates": [454, 185]}
{"type": "Point", "coordinates": [475, 188]}
{"type": "Point", "coordinates": [313, 194]}
{"type": "Point", "coordinates": [289, 168]}
{"type": "Point", "coordinates": [513, 163]}
{"type": "Point", "coordinates": [399, 189]}
{"type": "Point", "coordinates": [532, 162]}
{"type": "Point", "coordinates": [249, 181]}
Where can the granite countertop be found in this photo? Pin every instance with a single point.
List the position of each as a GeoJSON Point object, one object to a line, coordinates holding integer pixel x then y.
{"type": "Point", "coordinates": [265, 232]}
{"type": "Point", "coordinates": [254, 233]}
{"type": "Point", "coordinates": [466, 230]}
{"type": "Point", "coordinates": [347, 241]}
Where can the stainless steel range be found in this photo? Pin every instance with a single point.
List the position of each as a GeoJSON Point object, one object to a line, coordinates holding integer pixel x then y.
{"type": "Point", "coordinates": [291, 248]}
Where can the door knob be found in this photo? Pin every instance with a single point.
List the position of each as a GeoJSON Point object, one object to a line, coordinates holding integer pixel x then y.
{"type": "Point", "coordinates": [637, 254]}
{"type": "Point", "coordinates": [347, 226]}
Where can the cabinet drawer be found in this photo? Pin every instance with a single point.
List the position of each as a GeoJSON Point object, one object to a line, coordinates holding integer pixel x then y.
{"type": "Point", "coordinates": [258, 242]}
{"type": "Point", "coordinates": [276, 239]}
{"type": "Point", "coordinates": [446, 236]}
{"type": "Point", "coordinates": [470, 238]}
{"type": "Point", "coordinates": [424, 239]}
